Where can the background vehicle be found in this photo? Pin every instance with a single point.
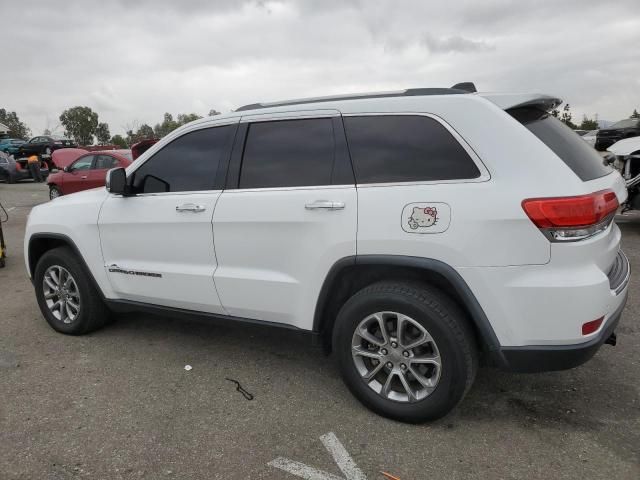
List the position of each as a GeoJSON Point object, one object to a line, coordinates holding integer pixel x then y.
{"type": "Point", "coordinates": [629, 127]}
{"type": "Point", "coordinates": [12, 170]}
{"type": "Point", "coordinates": [66, 156]}
{"type": "Point", "coordinates": [142, 146]}
{"type": "Point", "coordinates": [87, 171]}
{"type": "Point", "coordinates": [626, 159]}
{"type": "Point", "coordinates": [10, 145]}
{"type": "Point", "coordinates": [581, 132]}
{"type": "Point", "coordinates": [44, 146]}
{"type": "Point", "coordinates": [590, 137]}
{"type": "Point", "coordinates": [413, 233]}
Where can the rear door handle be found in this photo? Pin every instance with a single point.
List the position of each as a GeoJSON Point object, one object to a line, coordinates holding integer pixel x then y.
{"type": "Point", "coordinates": [190, 207]}
{"type": "Point", "coordinates": [84, 177]}
{"type": "Point", "coordinates": [324, 205]}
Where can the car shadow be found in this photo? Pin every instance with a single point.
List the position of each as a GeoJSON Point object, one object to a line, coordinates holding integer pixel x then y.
{"type": "Point", "coordinates": [596, 398]}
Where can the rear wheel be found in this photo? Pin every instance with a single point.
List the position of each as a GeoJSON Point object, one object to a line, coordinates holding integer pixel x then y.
{"type": "Point", "coordinates": [405, 350]}
{"type": "Point", "coordinates": [66, 295]}
{"type": "Point", "coordinates": [54, 192]}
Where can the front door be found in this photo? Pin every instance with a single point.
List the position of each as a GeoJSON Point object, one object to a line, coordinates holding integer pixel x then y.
{"type": "Point", "coordinates": [290, 215]}
{"type": "Point", "coordinates": [158, 244]}
{"type": "Point", "coordinates": [76, 178]}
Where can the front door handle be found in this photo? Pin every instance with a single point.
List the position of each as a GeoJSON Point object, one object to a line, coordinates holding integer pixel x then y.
{"type": "Point", "coordinates": [190, 207]}
{"type": "Point", "coordinates": [324, 205]}
{"type": "Point", "coordinates": [84, 177]}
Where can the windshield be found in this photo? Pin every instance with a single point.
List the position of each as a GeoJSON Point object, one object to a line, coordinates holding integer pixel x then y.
{"type": "Point", "coordinates": [627, 123]}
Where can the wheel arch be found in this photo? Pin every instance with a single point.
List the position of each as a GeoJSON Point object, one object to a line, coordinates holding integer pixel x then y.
{"type": "Point", "coordinates": [351, 274]}
{"type": "Point", "coordinates": [41, 243]}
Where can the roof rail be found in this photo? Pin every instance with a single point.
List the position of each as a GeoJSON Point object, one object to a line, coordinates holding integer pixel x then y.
{"type": "Point", "coordinates": [459, 88]}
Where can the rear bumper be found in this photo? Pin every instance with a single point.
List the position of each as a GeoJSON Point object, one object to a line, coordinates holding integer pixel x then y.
{"type": "Point", "coordinates": [544, 358]}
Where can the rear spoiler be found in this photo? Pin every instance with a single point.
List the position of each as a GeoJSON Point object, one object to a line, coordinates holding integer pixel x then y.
{"type": "Point", "coordinates": [508, 101]}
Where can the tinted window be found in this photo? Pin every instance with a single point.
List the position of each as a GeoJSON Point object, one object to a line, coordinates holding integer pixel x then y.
{"type": "Point", "coordinates": [288, 153]}
{"type": "Point", "coordinates": [189, 163]}
{"type": "Point", "coordinates": [83, 163]}
{"type": "Point", "coordinates": [574, 151]}
{"type": "Point", "coordinates": [105, 161]}
{"type": "Point", "coordinates": [405, 148]}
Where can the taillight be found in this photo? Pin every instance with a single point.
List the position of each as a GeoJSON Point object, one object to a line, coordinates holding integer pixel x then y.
{"type": "Point", "coordinates": [591, 326]}
{"type": "Point", "coordinates": [564, 219]}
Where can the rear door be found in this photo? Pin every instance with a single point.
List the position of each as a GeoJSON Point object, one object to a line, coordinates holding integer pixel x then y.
{"type": "Point", "coordinates": [288, 214]}
{"type": "Point", "coordinates": [158, 244]}
{"type": "Point", "coordinates": [98, 173]}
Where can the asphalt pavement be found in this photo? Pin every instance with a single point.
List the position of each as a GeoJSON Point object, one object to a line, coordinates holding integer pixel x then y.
{"type": "Point", "coordinates": [119, 403]}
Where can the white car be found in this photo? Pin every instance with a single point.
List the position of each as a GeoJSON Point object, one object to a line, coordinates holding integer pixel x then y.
{"type": "Point", "coordinates": [590, 137]}
{"type": "Point", "coordinates": [415, 234]}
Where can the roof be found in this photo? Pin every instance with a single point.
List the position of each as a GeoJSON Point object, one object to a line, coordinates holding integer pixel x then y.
{"type": "Point", "coordinates": [4, 128]}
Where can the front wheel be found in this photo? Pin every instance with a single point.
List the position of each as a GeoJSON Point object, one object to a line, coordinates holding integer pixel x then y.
{"type": "Point", "coordinates": [66, 295]}
{"type": "Point", "coordinates": [54, 192]}
{"type": "Point", "coordinates": [405, 350]}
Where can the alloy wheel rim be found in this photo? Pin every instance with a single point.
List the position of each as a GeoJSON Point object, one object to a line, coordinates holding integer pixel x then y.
{"type": "Point", "coordinates": [396, 357]}
{"type": "Point", "coordinates": [61, 294]}
{"type": "Point", "coordinates": [54, 193]}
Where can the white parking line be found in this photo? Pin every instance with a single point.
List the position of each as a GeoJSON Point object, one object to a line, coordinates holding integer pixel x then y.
{"type": "Point", "coordinates": [342, 457]}
{"type": "Point", "coordinates": [339, 454]}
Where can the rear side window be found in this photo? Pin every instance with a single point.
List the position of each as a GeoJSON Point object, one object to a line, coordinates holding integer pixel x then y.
{"type": "Point", "coordinates": [585, 162]}
{"type": "Point", "coordinates": [105, 161]}
{"type": "Point", "coordinates": [405, 148]}
{"type": "Point", "coordinates": [189, 163]}
{"type": "Point", "coordinates": [288, 153]}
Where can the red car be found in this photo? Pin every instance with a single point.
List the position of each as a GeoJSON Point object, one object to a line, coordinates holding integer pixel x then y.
{"type": "Point", "coordinates": [88, 171]}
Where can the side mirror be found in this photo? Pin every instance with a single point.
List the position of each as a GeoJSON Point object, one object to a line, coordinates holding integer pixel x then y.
{"type": "Point", "coordinates": [65, 169]}
{"type": "Point", "coordinates": [116, 181]}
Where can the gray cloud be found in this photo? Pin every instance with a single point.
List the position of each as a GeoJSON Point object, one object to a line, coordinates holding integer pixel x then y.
{"type": "Point", "coordinates": [132, 61]}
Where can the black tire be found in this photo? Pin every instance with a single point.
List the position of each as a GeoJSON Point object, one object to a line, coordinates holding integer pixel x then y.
{"type": "Point", "coordinates": [93, 313]}
{"type": "Point", "coordinates": [54, 192]}
{"type": "Point", "coordinates": [11, 178]}
{"type": "Point", "coordinates": [444, 320]}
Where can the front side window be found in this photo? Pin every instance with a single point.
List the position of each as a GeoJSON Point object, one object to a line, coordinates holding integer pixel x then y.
{"type": "Point", "coordinates": [189, 163]}
{"type": "Point", "coordinates": [288, 153]}
{"type": "Point", "coordinates": [405, 148]}
{"type": "Point", "coordinates": [83, 163]}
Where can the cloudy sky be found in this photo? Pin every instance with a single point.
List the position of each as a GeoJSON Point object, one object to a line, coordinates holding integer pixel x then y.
{"type": "Point", "coordinates": [132, 60]}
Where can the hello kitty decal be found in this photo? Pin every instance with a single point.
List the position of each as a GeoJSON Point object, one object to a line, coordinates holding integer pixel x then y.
{"type": "Point", "coordinates": [427, 217]}
{"type": "Point", "coordinates": [423, 217]}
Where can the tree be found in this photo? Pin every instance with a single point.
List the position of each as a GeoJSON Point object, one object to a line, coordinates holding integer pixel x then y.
{"type": "Point", "coordinates": [102, 133]}
{"type": "Point", "coordinates": [17, 129]}
{"type": "Point", "coordinates": [145, 131]}
{"type": "Point", "coordinates": [566, 117]}
{"type": "Point", "coordinates": [80, 123]}
{"type": "Point", "coordinates": [142, 132]}
{"type": "Point", "coordinates": [213, 112]}
{"type": "Point", "coordinates": [588, 123]}
{"type": "Point", "coordinates": [119, 141]}
{"type": "Point", "coordinates": [169, 124]}
{"type": "Point", "coordinates": [635, 114]}
{"type": "Point", "coordinates": [46, 132]}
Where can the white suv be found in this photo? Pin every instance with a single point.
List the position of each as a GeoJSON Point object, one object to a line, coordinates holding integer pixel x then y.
{"type": "Point", "coordinates": [413, 233]}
